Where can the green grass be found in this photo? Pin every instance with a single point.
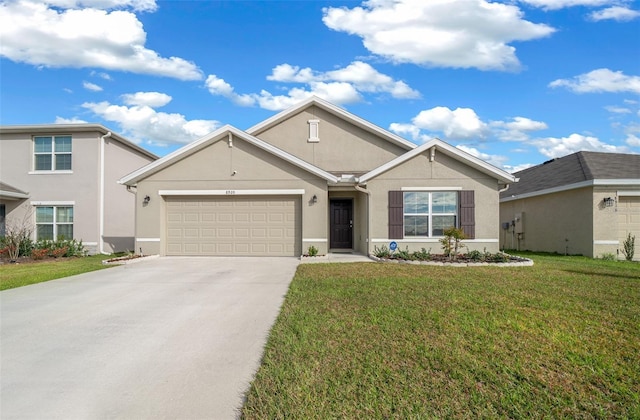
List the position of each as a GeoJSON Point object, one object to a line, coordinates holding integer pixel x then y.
{"type": "Point", "coordinates": [16, 275]}
{"type": "Point", "coordinates": [560, 339]}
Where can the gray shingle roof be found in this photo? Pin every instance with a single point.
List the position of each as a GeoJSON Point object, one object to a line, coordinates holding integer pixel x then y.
{"type": "Point", "coordinates": [574, 168]}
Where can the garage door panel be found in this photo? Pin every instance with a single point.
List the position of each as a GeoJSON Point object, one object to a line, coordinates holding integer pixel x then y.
{"type": "Point", "coordinates": [233, 226]}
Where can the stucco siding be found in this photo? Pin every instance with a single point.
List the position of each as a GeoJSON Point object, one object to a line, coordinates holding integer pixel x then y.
{"type": "Point", "coordinates": [561, 222]}
{"type": "Point", "coordinates": [340, 142]}
{"type": "Point", "coordinates": [212, 168]}
{"type": "Point", "coordinates": [443, 172]}
{"type": "Point", "coordinates": [119, 204]}
{"type": "Point", "coordinates": [79, 187]}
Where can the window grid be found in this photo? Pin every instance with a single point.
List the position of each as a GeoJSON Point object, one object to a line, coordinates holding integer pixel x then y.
{"type": "Point", "coordinates": [428, 214]}
{"type": "Point", "coordinates": [52, 153]}
{"type": "Point", "coordinates": [53, 222]}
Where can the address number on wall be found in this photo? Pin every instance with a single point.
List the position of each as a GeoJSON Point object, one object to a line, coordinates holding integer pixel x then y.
{"type": "Point", "coordinates": [230, 192]}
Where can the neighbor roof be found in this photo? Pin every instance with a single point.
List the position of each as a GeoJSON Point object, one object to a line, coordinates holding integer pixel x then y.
{"type": "Point", "coordinates": [578, 168]}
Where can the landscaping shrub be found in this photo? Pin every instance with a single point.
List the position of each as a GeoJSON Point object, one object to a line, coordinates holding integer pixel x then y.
{"type": "Point", "coordinates": [628, 247]}
{"type": "Point", "coordinates": [313, 251]}
{"type": "Point", "coordinates": [382, 252]}
{"type": "Point", "coordinates": [422, 255]}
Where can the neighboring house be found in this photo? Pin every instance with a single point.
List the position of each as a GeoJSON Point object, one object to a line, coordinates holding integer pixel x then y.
{"type": "Point", "coordinates": [313, 175]}
{"type": "Point", "coordinates": [61, 181]}
{"type": "Point", "coordinates": [585, 203]}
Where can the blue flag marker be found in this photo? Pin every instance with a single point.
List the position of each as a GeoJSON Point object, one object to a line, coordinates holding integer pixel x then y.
{"type": "Point", "coordinates": [393, 246]}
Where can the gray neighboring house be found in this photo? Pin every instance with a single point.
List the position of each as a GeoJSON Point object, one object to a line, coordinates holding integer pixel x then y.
{"type": "Point", "coordinates": [585, 203]}
{"type": "Point", "coordinates": [61, 180]}
{"type": "Point", "coordinates": [313, 175]}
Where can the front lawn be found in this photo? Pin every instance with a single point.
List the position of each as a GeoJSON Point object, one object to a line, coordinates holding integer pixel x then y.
{"type": "Point", "coordinates": [22, 274]}
{"type": "Point", "coordinates": [560, 339]}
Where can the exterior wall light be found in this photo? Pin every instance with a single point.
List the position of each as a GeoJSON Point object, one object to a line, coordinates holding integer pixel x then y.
{"type": "Point", "coordinates": [146, 199]}
{"type": "Point", "coordinates": [608, 201]}
{"type": "Point", "coordinates": [314, 199]}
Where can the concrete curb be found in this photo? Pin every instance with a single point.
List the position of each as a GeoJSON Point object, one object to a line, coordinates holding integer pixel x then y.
{"type": "Point", "coordinates": [126, 260]}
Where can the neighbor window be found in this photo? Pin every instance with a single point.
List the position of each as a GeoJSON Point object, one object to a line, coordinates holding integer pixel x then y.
{"type": "Point", "coordinates": [54, 222]}
{"type": "Point", "coordinates": [428, 214]}
{"type": "Point", "coordinates": [52, 153]}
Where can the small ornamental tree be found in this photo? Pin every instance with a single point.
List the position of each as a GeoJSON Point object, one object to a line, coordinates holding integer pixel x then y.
{"type": "Point", "coordinates": [629, 247]}
{"type": "Point", "coordinates": [452, 242]}
{"type": "Point", "coordinates": [17, 237]}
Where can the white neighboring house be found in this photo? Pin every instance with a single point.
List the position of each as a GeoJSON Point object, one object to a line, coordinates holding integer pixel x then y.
{"type": "Point", "coordinates": [61, 179]}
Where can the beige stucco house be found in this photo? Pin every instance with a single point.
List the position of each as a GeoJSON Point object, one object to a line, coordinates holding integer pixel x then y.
{"type": "Point", "coordinates": [312, 175]}
{"type": "Point", "coordinates": [62, 181]}
{"type": "Point", "coordinates": [585, 203]}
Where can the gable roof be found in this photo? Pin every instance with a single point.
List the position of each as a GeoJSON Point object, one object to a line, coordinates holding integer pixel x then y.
{"type": "Point", "coordinates": [73, 128]}
{"type": "Point", "coordinates": [448, 150]}
{"type": "Point", "coordinates": [337, 111]}
{"type": "Point", "coordinates": [213, 137]}
{"type": "Point", "coordinates": [576, 170]}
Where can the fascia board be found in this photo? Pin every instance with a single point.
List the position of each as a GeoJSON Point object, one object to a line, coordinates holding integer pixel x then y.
{"type": "Point", "coordinates": [193, 147]}
{"type": "Point", "coordinates": [449, 150]}
{"type": "Point", "coordinates": [73, 128]}
{"type": "Point", "coordinates": [169, 159]}
{"type": "Point", "coordinates": [13, 194]}
{"type": "Point", "coordinates": [574, 186]}
{"type": "Point", "coordinates": [342, 113]}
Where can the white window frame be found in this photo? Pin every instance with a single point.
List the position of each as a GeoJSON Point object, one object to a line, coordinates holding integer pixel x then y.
{"type": "Point", "coordinates": [54, 155]}
{"type": "Point", "coordinates": [430, 214]}
{"type": "Point", "coordinates": [55, 206]}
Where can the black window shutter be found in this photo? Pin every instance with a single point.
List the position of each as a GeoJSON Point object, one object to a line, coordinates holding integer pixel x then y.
{"type": "Point", "coordinates": [396, 215]}
{"type": "Point", "coordinates": [468, 213]}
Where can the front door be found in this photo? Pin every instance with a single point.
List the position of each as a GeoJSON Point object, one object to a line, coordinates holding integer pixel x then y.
{"type": "Point", "coordinates": [341, 220]}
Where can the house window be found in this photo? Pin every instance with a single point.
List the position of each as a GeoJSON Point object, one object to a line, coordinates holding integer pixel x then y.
{"type": "Point", "coordinates": [53, 222]}
{"type": "Point", "coordinates": [52, 153]}
{"type": "Point", "coordinates": [428, 214]}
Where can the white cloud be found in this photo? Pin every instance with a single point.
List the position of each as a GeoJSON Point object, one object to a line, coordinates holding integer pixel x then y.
{"type": "Point", "coordinates": [516, 130]}
{"type": "Point", "coordinates": [451, 33]}
{"type": "Point", "coordinates": [633, 140]}
{"type": "Point", "coordinates": [409, 130]}
{"type": "Point", "coordinates": [461, 123]}
{"type": "Point", "coordinates": [91, 86]}
{"type": "Point", "coordinates": [137, 5]}
{"type": "Point", "coordinates": [600, 80]}
{"type": "Point", "coordinates": [101, 75]}
{"type": "Point", "coordinates": [362, 76]}
{"type": "Point", "coordinates": [74, 120]}
{"type": "Point", "coordinates": [517, 168]}
{"type": "Point", "coordinates": [151, 99]}
{"type": "Point", "coordinates": [341, 86]}
{"type": "Point", "coordinates": [620, 14]}
{"type": "Point", "coordinates": [617, 109]}
{"type": "Point", "coordinates": [553, 147]}
{"type": "Point", "coordinates": [142, 123]}
{"type": "Point", "coordinates": [496, 160]}
{"type": "Point", "coordinates": [561, 4]}
{"type": "Point", "coordinates": [36, 34]}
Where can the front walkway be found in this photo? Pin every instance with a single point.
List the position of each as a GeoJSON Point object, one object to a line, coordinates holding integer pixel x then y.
{"type": "Point", "coordinates": [337, 257]}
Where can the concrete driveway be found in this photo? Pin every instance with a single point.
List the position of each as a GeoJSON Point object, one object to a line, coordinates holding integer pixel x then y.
{"type": "Point", "coordinates": [166, 338]}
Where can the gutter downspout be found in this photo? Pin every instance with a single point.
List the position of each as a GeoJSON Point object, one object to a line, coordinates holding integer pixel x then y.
{"type": "Point", "coordinates": [368, 193]}
{"type": "Point", "coordinates": [102, 180]}
{"type": "Point", "coordinates": [504, 189]}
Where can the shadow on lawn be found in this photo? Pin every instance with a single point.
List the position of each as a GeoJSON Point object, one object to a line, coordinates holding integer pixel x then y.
{"type": "Point", "coordinates": [604, 273]}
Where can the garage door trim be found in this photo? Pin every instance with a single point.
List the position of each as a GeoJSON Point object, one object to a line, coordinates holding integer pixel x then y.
{"type": "Point", "coordinates": [230, 192]}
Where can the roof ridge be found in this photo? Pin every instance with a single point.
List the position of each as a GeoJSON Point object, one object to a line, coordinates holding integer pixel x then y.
{"type": "Point", "coordinates": [584, 166]}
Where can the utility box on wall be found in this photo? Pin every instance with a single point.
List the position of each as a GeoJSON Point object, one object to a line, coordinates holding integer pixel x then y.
{"type": "Point", "coordinates": [519, 223]}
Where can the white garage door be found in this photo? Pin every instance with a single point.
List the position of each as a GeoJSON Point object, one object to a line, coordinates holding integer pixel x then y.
{"type": "Point", "coordinates": [628, 209]}
{"type": "Point", "coordinates": [233, 226]}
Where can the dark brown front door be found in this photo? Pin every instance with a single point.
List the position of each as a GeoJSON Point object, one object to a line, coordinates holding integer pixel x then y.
{"type": "Point", "coordinates": [341, 220]}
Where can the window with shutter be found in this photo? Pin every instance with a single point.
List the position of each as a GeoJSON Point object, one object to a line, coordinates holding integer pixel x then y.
{"type": "Point", "coordinates": [395, 215]}
{"type": "Point", "coordinates": [468, 213]}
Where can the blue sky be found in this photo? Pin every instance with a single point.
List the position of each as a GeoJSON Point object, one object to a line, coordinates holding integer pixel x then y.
{"type": "Point", "coordinates": [515, 82]}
